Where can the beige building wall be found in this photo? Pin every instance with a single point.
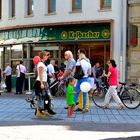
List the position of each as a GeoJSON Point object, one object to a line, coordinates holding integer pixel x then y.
{"type": "Point", "coordinates": [133, 62]}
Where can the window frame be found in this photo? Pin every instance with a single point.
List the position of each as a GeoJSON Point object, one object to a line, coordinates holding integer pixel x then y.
{"type": "Point", "coordinates": [0, 9]}
{"type": "Point", "coordinates": [11, 8]}
{"type": "Point", "coordinates": [76, 9]}
{"type": "Point", "coordinates": [50, 11]}
{"type": "Point", "coordinates": [102, 7]}
{"type": "Point", "coordinates": [29, 8]}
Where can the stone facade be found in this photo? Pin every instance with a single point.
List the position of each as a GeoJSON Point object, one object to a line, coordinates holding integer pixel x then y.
{"type": "Point", "coordinates": [133, 61]}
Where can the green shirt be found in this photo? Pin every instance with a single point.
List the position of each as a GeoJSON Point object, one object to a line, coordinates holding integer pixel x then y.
{"type": "Point", "coordinates": [70, 95]}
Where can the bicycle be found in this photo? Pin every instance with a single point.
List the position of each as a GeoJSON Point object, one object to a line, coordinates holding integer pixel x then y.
{"type": "Point", "coordinates": [129, 95]}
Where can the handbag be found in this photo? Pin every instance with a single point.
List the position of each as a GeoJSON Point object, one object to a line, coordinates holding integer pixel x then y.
{"type": "Point", "coordinates": [79, 73]}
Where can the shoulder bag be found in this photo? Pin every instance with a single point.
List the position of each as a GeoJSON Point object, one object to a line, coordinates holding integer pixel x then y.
{"type": "Point", "coordinates": [79, 73]}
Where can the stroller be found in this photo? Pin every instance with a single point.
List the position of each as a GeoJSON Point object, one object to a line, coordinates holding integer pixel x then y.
{"type": "Point", "coordinates": [61, 88]}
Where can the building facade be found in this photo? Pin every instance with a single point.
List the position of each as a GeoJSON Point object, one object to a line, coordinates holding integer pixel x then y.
{"type": "Point", "coordinates": [29, 26]}
{"type": "Point", "coordinates": [133, 61]}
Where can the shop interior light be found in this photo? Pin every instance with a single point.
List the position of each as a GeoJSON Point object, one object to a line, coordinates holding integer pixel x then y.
{"type": "Point", "coordinates": [1, 49]}
{"type": "Point", "coordinates": [46, 48]}
{"type": "Point", "coordinates": [17, 47]}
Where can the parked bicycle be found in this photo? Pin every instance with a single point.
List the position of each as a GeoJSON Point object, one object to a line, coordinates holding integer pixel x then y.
{"type": "Point", "coordinates": [129, 95]}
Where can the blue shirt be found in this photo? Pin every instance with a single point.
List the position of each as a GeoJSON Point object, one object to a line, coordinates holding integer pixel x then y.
{"type": "Point", "coordinates": [70, 66]}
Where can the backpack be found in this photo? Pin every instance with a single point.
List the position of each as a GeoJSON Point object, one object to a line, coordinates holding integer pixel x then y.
{"type": "Point", "coordinates": [99, 72]}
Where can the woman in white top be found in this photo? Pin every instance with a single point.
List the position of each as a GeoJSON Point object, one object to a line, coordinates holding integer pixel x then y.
{"type": "Point", "coordinates": [86, 66]}
{"type": "Point", "coordinates": [41, 86]}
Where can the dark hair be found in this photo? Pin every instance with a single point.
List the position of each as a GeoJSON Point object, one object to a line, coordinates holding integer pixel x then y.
{"type": "Point", "coordinates": [113, 63]}
{"type": "Point", "coordinates": [82, 51]}
{"type": "Point", "coordinates": [56, 62]}
{"type": "Point", "coordinates": [21, 62]}
{"type": "Point", "coordinates": [69, 80]}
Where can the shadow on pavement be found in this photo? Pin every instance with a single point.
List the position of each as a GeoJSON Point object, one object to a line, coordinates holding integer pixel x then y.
{"type": "Point", "coordinates": [127, 138]}
{"type": "Point", "coordinates": [76, 126]}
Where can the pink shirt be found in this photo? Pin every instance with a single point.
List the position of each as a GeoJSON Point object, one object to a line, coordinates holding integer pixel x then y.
{"type": "Point", "coordinates": [113, 77]}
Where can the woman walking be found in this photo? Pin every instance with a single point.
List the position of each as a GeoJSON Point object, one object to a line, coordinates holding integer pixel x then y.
{"type": "Point", "coordinates": [41, 88]}
{"type": "Point", "coordinates": [112, 91]}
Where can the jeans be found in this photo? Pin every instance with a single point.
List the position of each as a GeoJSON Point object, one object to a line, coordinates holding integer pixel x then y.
{"type": "Point", "coordinates": [78, 91]}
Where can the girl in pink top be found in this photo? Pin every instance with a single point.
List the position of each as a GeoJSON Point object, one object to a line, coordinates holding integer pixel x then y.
{"type": "Point", "coordinates": [112, 91]}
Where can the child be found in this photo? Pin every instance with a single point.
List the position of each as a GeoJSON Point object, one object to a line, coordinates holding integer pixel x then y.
{"type": "Point", "coordinates": [70, 97]}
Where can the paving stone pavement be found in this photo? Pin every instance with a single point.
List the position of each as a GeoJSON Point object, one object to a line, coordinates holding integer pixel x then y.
{"type": "Point", "coordinates": [15, 108]}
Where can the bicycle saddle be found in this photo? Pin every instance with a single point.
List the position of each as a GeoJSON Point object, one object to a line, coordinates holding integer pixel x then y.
{"type": "Point", "coordinates": [123, 83]}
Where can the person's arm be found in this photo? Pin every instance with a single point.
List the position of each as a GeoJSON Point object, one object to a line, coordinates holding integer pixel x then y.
{"type": "Point", "coordinates": [40, 77]}
{"type": "Point", "coordinates": [66, 74]}
{"type": "Point", "coordinates": [17, 70]}
{"type": "Point", "coordinates": [89, 71]}
{"type": "Point", "coordinates": [107, 75]}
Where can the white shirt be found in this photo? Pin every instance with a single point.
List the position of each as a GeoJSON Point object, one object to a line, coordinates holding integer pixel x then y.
{"type": "Point", "coordinates": [44, 72]}
{"type": "Point", "coordinates": [8, 71]}
{"type": "Point", "coordinates": [85, 66]}
{"type": "Point", "coordinates": [20, 69]}
{"type": "Point", "coordinates": [51, 69]}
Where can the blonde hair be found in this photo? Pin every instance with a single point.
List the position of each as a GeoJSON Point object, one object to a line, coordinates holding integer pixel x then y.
{"type": "Point", "coordinates": [41, 54]}
{"type": "Point", "coordinates": [82, 56]}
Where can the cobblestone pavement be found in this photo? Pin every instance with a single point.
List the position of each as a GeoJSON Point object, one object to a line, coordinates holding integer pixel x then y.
{"type": "Point", "coordinates": [17, 122]}
{"type": "Point", "coordinates": [15, 108]}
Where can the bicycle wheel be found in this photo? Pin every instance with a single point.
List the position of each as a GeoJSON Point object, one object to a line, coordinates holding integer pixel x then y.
{"type": "Point", "coordinates": [98, 96]}
{"type": "Point", "coordinates": [131, 98]}
{"type": "Point", "coordinates": [33, 106]}
{"type": "Point", "coordinates": [33, 103]}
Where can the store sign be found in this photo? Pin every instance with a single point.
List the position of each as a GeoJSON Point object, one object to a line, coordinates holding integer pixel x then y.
{"type": "Point", "coordinates": [67, 33]}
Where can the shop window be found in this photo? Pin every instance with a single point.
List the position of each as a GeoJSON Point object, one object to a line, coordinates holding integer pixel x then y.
{"type": "Point", "coordinates": [0, 9]}
{"type": "Point", "coordinates": [16, 51]}
{"type": "Point", "coordinates": [30, 7]}
{"type": "Point", "coordinates": [76, 5]}
{"type": "Point", "coordinates": [105, 4]}
{"type": "Point", "coordinates": [11, 8]}
{"type": "Point", "coordinates": [51, 6]}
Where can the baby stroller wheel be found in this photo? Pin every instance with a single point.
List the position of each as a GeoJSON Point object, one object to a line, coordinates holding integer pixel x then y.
{"type": "Point", "coordinates": [33, 105]}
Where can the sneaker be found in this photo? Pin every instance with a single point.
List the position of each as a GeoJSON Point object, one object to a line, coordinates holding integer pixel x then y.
{"type": "Point", "coordinates": [106, 106]}
{"type": "Point", "coordinates": [85, 110]}
{"type": "Point", "coordinates": [45, 112]}
{"type": "Point", "coordinates": [78, 109]}
{"type": "Point", "coordinates": [51, 112]}
{"type": "Point", "coordinates": [121, 106]}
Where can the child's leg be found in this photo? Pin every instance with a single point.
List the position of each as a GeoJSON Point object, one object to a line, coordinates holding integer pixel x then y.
{"type": "Point", "coordinates": [69, 111]}
{"type": "Point", "coordinates": [72, 109]}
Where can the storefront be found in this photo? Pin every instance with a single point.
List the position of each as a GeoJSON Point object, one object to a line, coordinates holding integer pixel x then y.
{"type": "Point", "coordinates": [24, 44]}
